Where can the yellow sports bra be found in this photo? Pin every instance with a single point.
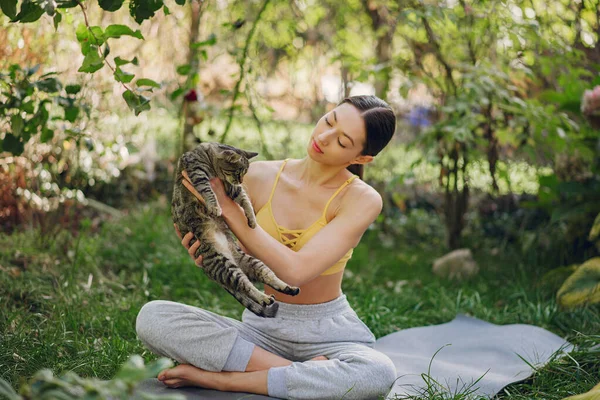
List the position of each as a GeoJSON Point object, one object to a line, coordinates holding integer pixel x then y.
{"type": "Point", "coordinates": [299, 237]}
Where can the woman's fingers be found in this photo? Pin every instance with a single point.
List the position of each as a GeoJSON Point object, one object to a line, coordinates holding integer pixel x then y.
{"type": "Point", "coordinates": [192, 249]}
{"type": "Point", "coordinates": [191, 187]}
{"type": "Point", "coordinates": [186, 239]}
{"type": "Point", "coordinates": [178, 232]}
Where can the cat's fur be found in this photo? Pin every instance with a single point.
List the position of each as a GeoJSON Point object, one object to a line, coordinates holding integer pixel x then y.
{"type": "Point", "coordinates": [222, 259]}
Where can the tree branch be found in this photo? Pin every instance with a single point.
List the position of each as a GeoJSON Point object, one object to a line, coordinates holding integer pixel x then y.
{"type": "Point", "coordinates": [236, 91]}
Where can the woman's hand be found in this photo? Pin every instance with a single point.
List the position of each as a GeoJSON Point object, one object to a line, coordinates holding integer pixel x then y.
{"type": "Point", "coordinates": [227, 205]}
{"type": "Point", "coordinates": [185, 241]}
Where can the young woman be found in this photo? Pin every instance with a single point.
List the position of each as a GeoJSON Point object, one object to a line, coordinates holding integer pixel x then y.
{"type": "Point", "coordinates": [311, 213]}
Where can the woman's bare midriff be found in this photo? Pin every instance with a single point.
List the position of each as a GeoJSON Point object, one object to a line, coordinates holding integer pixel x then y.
{"type": "Point", "coordinates": [290, 195]}
{"type": "Point", "coordinates": [319, 290]}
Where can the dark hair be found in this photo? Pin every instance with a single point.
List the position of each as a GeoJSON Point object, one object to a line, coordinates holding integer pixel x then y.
{"type": "Point", "coordinates": [380, 124]}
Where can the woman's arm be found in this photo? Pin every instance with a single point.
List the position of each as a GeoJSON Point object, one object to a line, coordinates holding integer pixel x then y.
{"type": "Point", "coordinates": [322, 251]}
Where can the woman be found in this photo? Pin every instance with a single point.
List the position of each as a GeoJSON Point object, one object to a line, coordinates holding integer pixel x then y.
{"type": "Point", "coordinates": [316, 347]}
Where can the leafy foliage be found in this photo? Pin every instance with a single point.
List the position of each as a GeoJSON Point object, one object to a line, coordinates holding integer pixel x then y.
{"type": "Point", "coordinates": [45, 385]}
{"type": "Point", "coordinates": [26, 99]}
{"type": "Point", "coordinates": [582, 287]}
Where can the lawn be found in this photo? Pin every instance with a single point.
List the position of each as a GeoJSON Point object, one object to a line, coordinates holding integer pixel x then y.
{"type": "Point", "coordinates": [69, 302]}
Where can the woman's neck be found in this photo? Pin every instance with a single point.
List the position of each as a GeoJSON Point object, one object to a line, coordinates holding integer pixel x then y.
{"type": "Point", "coordinates": [312, 173]}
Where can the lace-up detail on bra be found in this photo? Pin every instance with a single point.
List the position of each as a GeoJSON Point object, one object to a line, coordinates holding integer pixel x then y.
{"type": "Point", "coordinates": [296, 238]}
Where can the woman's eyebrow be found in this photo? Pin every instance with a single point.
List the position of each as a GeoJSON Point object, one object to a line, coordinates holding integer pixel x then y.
{"type": "Point", "coordinates": [345, 134]}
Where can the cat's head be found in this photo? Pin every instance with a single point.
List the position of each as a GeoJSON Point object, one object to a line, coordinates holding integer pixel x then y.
{"type": "Point", "coordinates": [233, 163]}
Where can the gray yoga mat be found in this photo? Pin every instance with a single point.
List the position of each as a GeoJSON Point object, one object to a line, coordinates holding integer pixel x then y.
{"type": "Point", "coordinates": [469, 348]}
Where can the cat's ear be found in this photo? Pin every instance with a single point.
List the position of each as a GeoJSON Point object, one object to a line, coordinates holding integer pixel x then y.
{"type": "Point", "coordinates": [250, 154]}
{"type": "Point", "coordinates": [231, 156]}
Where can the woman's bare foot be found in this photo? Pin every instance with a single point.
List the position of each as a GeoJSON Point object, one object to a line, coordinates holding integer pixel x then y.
{"type": "Point", "coordinates": [188, 375]}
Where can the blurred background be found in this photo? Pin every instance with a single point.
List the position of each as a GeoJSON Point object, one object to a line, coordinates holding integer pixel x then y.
{"type": "Point", "coordinates": [496, 153]}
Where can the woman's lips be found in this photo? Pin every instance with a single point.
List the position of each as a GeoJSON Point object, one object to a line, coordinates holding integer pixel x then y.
{"type": "Point", "coordinates": [316, 147]}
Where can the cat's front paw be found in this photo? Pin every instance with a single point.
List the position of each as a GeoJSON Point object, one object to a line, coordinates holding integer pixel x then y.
{"type": "Point", "coordinates": [215, 211]}
{"type": "Point", "coordinates": [251, 219]}
{"type": "Point", "coordinates": [267, 301]}
{"type": "Point", "coordinates": [291, 290]}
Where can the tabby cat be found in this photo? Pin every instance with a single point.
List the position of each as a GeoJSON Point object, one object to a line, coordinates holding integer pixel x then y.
{"type": "Point", "coordinates": [222, 259]}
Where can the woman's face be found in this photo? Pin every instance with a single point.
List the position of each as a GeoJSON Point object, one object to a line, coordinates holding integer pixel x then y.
{"type": "Point", "coordinates": [340, 135]}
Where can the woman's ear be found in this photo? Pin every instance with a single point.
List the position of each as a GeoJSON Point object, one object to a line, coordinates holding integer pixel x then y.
{"type": "Point", "coordinates": [362, 159]}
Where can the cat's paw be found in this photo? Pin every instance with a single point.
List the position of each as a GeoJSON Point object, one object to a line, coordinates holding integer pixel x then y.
{"type": "Point", "coordinates": [215, 211]}
{"type": "Point", "coordinates": [252, 223]}
{"type": "Point", "coordinates": [291, 290]}
{"type": "Point", "coordinates": [267, 300]}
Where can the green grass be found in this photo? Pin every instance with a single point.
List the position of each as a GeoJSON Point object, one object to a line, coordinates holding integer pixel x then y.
{"type": "Point", "coordinates": [71, 303]}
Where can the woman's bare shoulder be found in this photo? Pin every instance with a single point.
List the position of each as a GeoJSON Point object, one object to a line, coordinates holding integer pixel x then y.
{"type": "Point", "coordinates": [260, 176]}
{"type": "Point", "coordinates": [361, 193]}
{"type": "Point", "coordinates": [262, 170]}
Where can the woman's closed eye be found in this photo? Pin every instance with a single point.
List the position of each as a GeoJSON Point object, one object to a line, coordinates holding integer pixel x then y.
{"type": "Point", "coordinates": [340, 143]}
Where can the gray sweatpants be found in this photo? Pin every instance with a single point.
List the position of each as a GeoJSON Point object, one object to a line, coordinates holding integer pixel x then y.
{"type": "Point", "coordinates": [299, 332]}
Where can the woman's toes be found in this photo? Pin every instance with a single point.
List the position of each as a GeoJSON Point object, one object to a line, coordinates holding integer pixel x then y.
{"type": "Point", "coordinates": [173, 383]}
{"type": "Point", "coordinates": [161, 375]}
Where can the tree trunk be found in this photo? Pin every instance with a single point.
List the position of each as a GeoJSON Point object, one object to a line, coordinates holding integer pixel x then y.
{"type": "Point", "coordinates": [383, 51]}
{"type": "Point", "coordinates": [382, 20]}
{"type": "Point", "coordinates": [188, 140]}
{"type": "Point", "coordinates": [456, 201]}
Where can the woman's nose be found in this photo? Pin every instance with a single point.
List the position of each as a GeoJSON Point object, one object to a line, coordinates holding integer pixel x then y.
{"type": "Point", "coordinates": [325, 136]}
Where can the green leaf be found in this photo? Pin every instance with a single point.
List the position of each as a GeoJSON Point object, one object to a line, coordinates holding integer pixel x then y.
{"type": "Point", "coordinates": [81, 33]}
{"type": "Point", "coordinates": [33, 70]}
{"type": "Point", "coordinates": [120, 61]}
{"type": "Point", "coordinates": [92, 61]}
{"type": "Point", "coordinates": [28, 107]}
{"type": "Point", "coordinates": [122, 76]}
{"type": "Point", "coordinates": [583, 286]}
{"type": "Point", "coordinates": [16, 124]}
{"type": "Point", "coordinates": [180, 2]}
{"type": "Point", "coordinates": [73, 89]}
{"type": "Point", "coordinates": [7, 390]}
{"type": "Point", "coordinates": [116, 31]}
{"type": "Point", "coordinates": [144, 9]}
{"type": "Point", "coordinates": [50, 85]}
{"type": "Point", "coordinates": [47, 134]}
{"type": "Point", "coordinates": [30, 12]}
{"type": "Point", "coordinates": [166, 10]}
{"type": "Point", "coordinates": [177, 93]}
{"type": "Point", "coordinates": [71, 113]}
{"type": "Point", "coordinates": [184, 69]}
{"type": "Point", "coordinates": [12, 144]}
{"type": "Point", "coordinates": [147, 82]}
{"type": "Point", "coordinates": [137, 103]}
{"type": "Point", "coordinates": [9, 7]}
{"type": "Point", "coordinates": [110, 5]}
{"type": "Point", "coordinates": [212, 39]}
{"type": "Point", "coordinates": [57, 18]}
{"type": "Point", "coordinates": [595, 231]}
{"type": "Point", "coordinates": [106, 51]}
{"type": "Point", "coordinates": [96, 35]}
{"type": "Point", "coordinates": [66, 3]}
